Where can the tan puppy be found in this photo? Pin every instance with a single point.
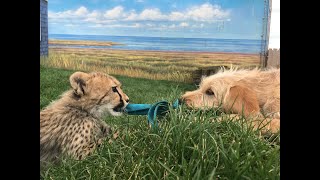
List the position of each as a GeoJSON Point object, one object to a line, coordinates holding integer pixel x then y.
{"type": "Point", "coordinates": [252, 93]}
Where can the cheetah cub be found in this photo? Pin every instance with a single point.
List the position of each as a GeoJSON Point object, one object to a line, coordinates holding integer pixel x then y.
{"type": "Point", "coordinates": [73, 125]}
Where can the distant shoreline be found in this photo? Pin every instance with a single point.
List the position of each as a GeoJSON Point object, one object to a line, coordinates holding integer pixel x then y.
{"type": "Point", "coordinates": [81, 42]}
{"type": "Point", "coordinates": [205, 45]}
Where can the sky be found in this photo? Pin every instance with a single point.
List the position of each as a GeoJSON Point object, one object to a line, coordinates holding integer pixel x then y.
{"type": "Point", "coordinates": [229, 19]}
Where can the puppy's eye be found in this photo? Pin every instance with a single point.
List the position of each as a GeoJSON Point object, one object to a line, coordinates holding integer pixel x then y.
{"type": "Point", "coordinates": [209, 92]}
{"type": "Point", "coordinates": [114, 89]}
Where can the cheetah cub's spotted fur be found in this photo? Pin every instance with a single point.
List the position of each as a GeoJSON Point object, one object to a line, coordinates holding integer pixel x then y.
{"type": "Point", "coordinates": [72, 125]}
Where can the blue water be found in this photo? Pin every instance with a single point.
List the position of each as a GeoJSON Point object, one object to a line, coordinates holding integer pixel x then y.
{"type": "Point", "coordinates": [168, 43]}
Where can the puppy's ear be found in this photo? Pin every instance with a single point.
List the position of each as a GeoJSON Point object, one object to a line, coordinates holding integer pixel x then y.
{"type": "Point", "coordinates": [78, 82]}
{"type": "Point", "coordinates": [240, 99]}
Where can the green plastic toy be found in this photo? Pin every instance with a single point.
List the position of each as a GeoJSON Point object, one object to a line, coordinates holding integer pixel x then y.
{"type": "Point", "coordinates": [151, 110]}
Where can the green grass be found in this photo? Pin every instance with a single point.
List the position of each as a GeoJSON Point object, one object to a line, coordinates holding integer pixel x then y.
{"type": "Point", "coordinates": [155, 65]}
{"type": "Point", "coordinates": [189, 146]}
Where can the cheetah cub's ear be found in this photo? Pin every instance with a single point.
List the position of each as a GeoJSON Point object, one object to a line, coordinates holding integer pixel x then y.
{"type": "Point", "coordinates": [78, 82]}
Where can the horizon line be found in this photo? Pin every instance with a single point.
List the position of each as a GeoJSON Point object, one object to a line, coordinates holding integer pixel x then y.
{"type": "Point", "coordinates": [154, 36]}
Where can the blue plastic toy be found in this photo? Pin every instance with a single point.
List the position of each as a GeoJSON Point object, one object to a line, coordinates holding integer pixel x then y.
{"type": "Point", "coordinates": [152, 110]}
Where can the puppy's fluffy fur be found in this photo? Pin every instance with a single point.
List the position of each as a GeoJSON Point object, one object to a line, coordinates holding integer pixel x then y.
{"type": "Point", "coordinates": [252, 93]}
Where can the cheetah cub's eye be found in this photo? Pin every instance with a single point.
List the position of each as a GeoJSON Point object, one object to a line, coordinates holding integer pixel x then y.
{"type": "Point", "coordinates": [114, 89]}
{"type": "Point", "coordinates": [209, 92]}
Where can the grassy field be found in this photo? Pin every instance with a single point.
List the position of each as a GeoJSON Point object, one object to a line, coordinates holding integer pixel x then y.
{"type": "Point", "coordinates": [156, 65]}
{"type": "Point", "coordinates": [189, 146]}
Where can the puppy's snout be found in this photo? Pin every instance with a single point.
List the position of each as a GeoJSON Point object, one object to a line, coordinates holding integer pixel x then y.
{"type": "Point", "coordinates": [184, 100]}
{"type": "Point", "coordinates": [181, 101]}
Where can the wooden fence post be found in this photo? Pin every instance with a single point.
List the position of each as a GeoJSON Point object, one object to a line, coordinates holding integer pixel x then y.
{"type": "Point", "coordinates": [273, 59]}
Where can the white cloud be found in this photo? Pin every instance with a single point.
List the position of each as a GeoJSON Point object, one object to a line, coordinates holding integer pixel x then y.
{"type": "Point", "coordinates": [131, 16]}
{"type": "Point", "coordinates": [118, 16]}
{"type": "Point", "coordinates": [115, 13]}
{"type": "Point", "coordinates": [94, 17]}
{"type": "Point", "coordinates": [136, 25]}
{"type": "Point", "coordinates": [69, 15]}
{"type": "Point", "coordinates": [70, 25]}
{"type": "Point", "coordinates": [94, 14]}
{"type": "Point", "coordinates": [82, 11]}
{"type": "Point", "coordinates": [99, 21]}
{"type": "Point", "coordinates": [183, 24]}
{"type": "Point", "coordinates": [59, 15]}
{"type": "Point", "coordinates": [177, 16]}
{"type": "Point", "coordinates": [207, 12]}
{"type": "Point", "coordinates": [151, 14]}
